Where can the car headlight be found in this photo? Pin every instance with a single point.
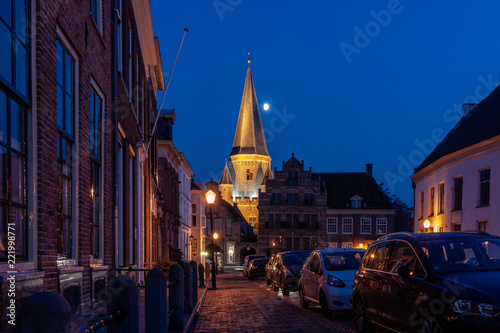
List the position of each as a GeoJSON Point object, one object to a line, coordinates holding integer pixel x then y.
{"type": "Point", "coordinates": [335, 282]}
{"type": "Point", "coordinates": [470, 308]}
{"type": "Point", "coordinates": [288, 273]}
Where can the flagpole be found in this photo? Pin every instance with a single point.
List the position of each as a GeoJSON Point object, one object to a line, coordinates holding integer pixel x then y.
{"type": "Point", "coordinates": [165, 93]}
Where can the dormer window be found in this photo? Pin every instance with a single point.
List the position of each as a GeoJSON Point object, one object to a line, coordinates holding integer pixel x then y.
{"type": "Point", "coordinates": [356, 202]}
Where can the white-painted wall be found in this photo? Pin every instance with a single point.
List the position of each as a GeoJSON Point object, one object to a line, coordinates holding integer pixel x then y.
{"type": "Point", "coordinates": [466, 163]}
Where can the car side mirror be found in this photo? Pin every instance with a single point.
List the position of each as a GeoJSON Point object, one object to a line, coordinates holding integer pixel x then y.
{"type": "Point", "coordinates": [403, 271]}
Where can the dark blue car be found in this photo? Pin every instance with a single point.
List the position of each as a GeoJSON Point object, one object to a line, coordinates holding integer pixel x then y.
{"type": "Point", "coordinates": [429, 282]}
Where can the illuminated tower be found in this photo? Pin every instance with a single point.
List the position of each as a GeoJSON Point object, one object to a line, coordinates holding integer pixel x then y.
{"type": "Point", "coordinates": [249, 161]}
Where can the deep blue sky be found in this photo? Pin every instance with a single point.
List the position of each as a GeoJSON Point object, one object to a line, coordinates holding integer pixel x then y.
{"type": "Point", "coordinates": [399, 86]}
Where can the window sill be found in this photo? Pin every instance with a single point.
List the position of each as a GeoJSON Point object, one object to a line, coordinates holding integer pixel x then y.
{"type": "Point", "coordinates": [431, 215]}
{"type": "Point", "coordinates": [456, 210]}
{"type": "Point", "coordinates": [98, 31]}
{"type": "Point", "coordinates": [483, 206]}
{"type": "Point", "coordinates": [441, 213]}
{"type": "Point", "coordinates": [23, 275]}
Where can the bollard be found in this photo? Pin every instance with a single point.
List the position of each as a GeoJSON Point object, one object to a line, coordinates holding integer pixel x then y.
{"type": "Point", "coordinates": [208, 271]}
{"type": "Point", "coordinates": [201, 273]}
{"type": "Point", "coordinates": [123, 295]}
{"type": "Point", "coordinates": [194, 269]}
{"type": "Point", "coordinates": [156, 302]}
{"type": "Point", "coordinates": [46, 311]}
{"type": "Point", "coordinates": [176, 298]}
{"type": "Point", "coordinates": [188, 288]}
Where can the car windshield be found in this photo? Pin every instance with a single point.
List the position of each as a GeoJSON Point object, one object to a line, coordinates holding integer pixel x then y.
{"type": "Point", "coordinates": [297, 258]}
{"type": "Point", "coordinates": [335, 261]}
{"type": "Point", "coordinates": [259, 262]}
{"type": "Point", "coordinates": [457, 255]}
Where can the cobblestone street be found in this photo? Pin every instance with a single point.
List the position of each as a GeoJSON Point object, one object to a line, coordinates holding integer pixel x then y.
{"type": "Point", "coordinates": [241, 305]}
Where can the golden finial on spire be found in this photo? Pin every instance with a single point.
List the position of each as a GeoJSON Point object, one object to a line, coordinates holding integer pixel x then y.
{"type": "Point", "coordinates": [249, 57]}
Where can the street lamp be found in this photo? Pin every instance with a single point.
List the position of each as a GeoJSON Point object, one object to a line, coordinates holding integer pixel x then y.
{"type": "Point", "coordinates": [210, 196]}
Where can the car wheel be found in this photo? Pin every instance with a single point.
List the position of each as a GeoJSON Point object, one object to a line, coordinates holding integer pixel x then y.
{"type": "Point", "coordinates": [430, 324]}
{"type": "Point", "coordinates": [284, 289]}
{"type": "Point", "coordinates": [361, 322]}
{"type": "Point", "coordinates": [324, 305]}
{"type": "Point", "coordinates": [303, 303]}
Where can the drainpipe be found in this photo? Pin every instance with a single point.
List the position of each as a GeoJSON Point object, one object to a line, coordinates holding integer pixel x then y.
{"type": "Point", "coordinates": [114, 71]}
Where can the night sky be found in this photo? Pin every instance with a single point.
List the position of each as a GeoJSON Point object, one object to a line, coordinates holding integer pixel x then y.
{"type": "Point", "coordinates": [348, 82]}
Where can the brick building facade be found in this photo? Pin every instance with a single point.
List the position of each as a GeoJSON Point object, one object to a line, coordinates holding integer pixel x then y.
{"type": "Point", "coordinates": [302, 210]}
{"type": "Point", "coordinates": [63, 152]}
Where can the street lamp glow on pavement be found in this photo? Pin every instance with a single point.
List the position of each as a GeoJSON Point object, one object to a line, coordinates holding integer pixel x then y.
{"type": "Point", "coordinates": [210, 196]}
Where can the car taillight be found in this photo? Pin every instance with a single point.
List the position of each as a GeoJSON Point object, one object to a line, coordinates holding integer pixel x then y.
{"type": "Point", "coordinates": [254, 267]}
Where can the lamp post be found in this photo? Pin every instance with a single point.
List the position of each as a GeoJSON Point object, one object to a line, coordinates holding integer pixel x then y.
{"type": "Point", "coordinates": [210, 196]}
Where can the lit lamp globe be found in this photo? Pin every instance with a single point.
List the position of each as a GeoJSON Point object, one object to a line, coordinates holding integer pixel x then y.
{"type": "Point", "coordinates": [216, 235]}
{"type": "Point", "coordinates": [427, 224]}
{"type": "Point", "coordinates": [210, 196]}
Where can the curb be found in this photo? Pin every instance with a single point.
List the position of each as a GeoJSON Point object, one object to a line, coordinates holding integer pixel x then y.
{"type": "Point", "coordinates": [196, 311]}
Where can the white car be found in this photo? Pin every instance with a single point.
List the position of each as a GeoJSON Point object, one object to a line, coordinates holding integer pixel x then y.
{"type": "Point", "coordinates": [327, 279]}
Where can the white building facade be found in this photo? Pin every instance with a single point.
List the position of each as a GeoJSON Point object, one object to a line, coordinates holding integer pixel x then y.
{"type": "Point", "coordinates": [457, 187]}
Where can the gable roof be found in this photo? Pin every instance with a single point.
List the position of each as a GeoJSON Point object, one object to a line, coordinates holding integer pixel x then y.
{"type": "Point", "coordinates": [342, 186]}
{"type": "Point", "coordinates": [480, 124]}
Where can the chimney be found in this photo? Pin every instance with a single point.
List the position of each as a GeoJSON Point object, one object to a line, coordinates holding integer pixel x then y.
{"type": "Point", "coordinates": [369, 170]}
{"type": "Point", "coordinates": [467, 107]}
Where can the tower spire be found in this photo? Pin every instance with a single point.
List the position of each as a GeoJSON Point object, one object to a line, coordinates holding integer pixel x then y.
{"type": "Point", "coordinates": [249, 137]}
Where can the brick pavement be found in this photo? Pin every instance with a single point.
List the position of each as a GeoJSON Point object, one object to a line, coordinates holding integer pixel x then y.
{"type": "Point", "coordinates": [240, 305]}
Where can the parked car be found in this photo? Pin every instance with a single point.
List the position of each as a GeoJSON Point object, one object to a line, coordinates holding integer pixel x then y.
{"type": "Point", "coordinates": [257, 268]}
{"type": "Point", "coordinates": [285, 272]}
{"type": "Point", "coordinates": [249, 258]}
{"type": "Point", "coordinates": [327, 279]}
{"type": "Point", "coordinates": [429, 282]}
{"type": "Point", "coordinates": [269, 266]}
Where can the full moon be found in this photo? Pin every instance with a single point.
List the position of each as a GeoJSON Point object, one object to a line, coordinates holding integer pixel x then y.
{"type": "Point", "coordinates": [266, 106]}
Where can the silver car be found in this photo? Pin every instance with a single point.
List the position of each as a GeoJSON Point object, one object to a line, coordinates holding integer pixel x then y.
{"type": "Point", "coordinates": [327, 279]}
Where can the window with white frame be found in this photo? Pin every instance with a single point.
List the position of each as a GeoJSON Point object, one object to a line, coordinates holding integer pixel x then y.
{"type": "Point", "coordinates": [331, 245]}
{"type": "Point", "coordinates": [366, 226]}
{"type": "Point", "coordinates": [347, 225]}
{"type": "Point", "coordinates": [331, 225]}
{"type": "Point", "coordinates": [347, 245]}
{"type": "Point", "coordinates": [381, 226]}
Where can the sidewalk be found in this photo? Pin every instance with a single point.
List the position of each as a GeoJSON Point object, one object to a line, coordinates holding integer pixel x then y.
{"type": "Point", "coordinates": [239, 305]}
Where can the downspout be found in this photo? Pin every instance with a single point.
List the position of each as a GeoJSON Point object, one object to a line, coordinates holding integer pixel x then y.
{"type": "Point", "coordinates": [114, 72]}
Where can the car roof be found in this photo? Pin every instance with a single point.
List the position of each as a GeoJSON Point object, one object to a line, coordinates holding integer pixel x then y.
{"type": "Point", "coordinates": [340, 250]}
{"type": "Point", "coordinates": [437, 236]}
